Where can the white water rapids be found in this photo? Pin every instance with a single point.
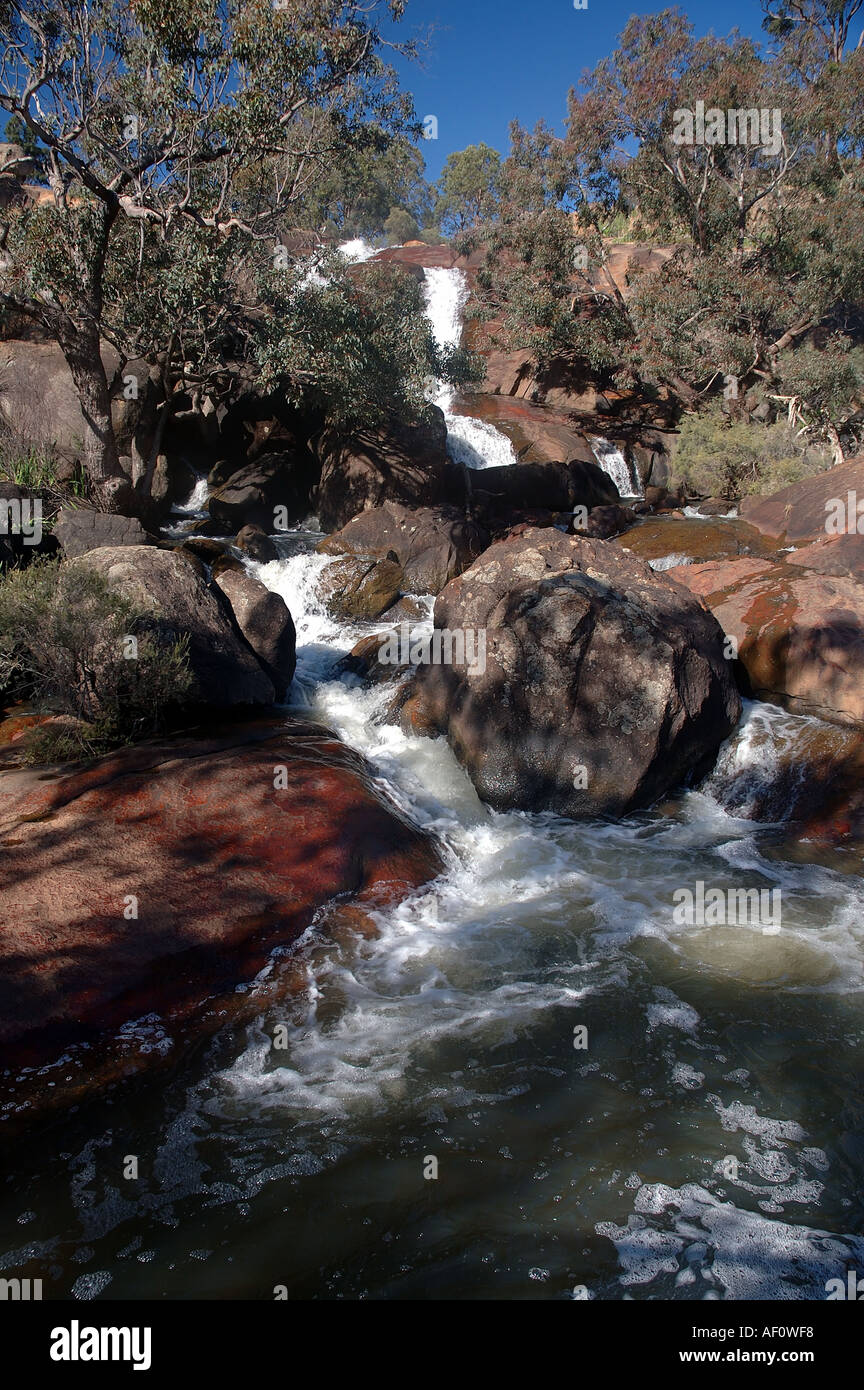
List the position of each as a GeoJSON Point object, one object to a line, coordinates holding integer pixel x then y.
{"type": "Point", "coordinates": [705, 1145]}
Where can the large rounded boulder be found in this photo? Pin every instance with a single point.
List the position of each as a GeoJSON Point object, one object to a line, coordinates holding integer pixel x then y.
{"type": "Point", "coordinates": [590, 684]}
{"type": "Point", "coordinates": [175, 591]}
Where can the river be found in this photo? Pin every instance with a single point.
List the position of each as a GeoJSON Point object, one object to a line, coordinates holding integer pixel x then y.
{"type": "Point", "coordinates": [432, 1129]}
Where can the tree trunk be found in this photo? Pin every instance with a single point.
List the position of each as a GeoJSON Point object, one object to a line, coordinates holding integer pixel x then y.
{"type": "Point", "coordinates": [81, 349]}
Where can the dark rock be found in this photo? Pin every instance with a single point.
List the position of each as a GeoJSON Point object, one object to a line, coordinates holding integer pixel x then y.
{"type": "Point", "coordinates": [605, 522]}
{"type": "Point", "coordinates": [604, 685]}
{"type": "Point", "coordinates": [175, 590]}
{"type": "Point", "coordinates": [266, 623]}
{"type": "Point", "coordinates": [251, 496]}
{"type": "Point", "coordinates": [432, 544]}
{"type": "Point", "coordinates": [79, 530]}
{"type": "Point", "coordinates": [405, 464]}
{"type": "Point", "coordinates": [256, 544]}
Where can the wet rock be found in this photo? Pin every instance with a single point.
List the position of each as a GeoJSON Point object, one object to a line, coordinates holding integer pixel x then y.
{"type": "Point", "coordinates": [656, 538]}
{"type": "Point", "coordinates": [799, 633]}
{"type": "Point", "coordinates": [221, 848]}
{"type": "Point", "coordinates": [360, 587]}
{"type": "Point", "coordinates": [603, 685]}
{"type": "Point", "coordinates": [256, 544]}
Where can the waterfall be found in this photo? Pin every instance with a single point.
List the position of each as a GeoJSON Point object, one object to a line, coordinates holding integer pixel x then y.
{"type": "Point", "coordinates": [476, 443]}
{"type": "Point", "coordinates": [613, 462]}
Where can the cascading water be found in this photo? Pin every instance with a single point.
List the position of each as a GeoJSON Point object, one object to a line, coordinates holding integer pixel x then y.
{"type": "Point", "coordinates": [694, 1150]}
{"type": "Point", "coordinates": [476, 443]}
{"type": "Point", "coordinates": [611, 459]}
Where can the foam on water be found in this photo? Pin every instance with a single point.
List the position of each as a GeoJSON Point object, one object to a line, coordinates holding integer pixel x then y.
{"type": "Point", "coordinates": [452, 1033]}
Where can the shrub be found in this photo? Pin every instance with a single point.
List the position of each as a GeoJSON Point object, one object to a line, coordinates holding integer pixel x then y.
{"type": "Point", "coordinates": [719, 457]}
{"type": "Point", "coordinates": [65, 644]}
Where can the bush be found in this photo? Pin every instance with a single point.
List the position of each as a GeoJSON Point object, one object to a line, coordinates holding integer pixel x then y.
{"type": "Point", "coordinates": [719, 457]}
{"type": "Point", "coordinates": [73, 645]}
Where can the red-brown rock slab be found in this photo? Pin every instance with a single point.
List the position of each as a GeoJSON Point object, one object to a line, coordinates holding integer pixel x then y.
{"type": "Point", "coordinates": [222, 856]}
{"type": "Point", "coordinates": [799, 512]}
{"type": "Point", "coordinates": [800, 633]}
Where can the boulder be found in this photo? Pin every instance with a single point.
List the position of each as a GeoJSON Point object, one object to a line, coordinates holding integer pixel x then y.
{"type": "Point", "coordinates": [251, 495]}
{"type": "Point", "coordinates": [799, 512]}
{"type": "Point", "coordinates": [605, 522]}
{"type": "Point", "coordinates": [78, 529]}
{"type": "Point", "coordinates": [256, 544]}
{"type": "Point", "coordinates": [228, 847]}
{"type": "Point", "coordinates": [406, 465]}
{"type": "Point", "coordinates": [538, 434]}
{"type": "Point", "coordinates": [601, 685]}
{"type": "Point", "coordinates": [799, 632]}
{"type": "Point", "coordinates": [174, 479]}
{"type": "Point", "coordinates": [175, 590]}
{"type": "Point", "coordinates": [552, 486]}
{"type": "Point", "coordinates": [265, 622]}
{"type": "Point", "coordinates": [432, 544]}
{"type": "Point", "coordinates": [363, 661]}
{"type": "Point", "coordinates": [360, 587]}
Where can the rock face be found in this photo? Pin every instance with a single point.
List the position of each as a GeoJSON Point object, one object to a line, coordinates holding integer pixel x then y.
{"type": "Point", "coordinates": [407, 466]}
{"type": "Point", "coordinates": [799, 512]}
{"type": "Point", "coordinates": [266, 623]}
{"type": "Point", "coordinates": [175, 589]}
{"type": "Point", "coordinates": [432, 544]}
{"type": "Point", "coordinates": [360, 587]}
{"type": "Point", "coordinates": [555, 487]}
{"type": "Point", "coordinates": [799, 631]}
{"type": "Point", "coordinates": [689, 538]}
{"type": "Point", "coordinates": [604, 686]}
{"type": "Point", "coordinates": [79, 529]}
{"type": "Point", "coordinates": [224, 857]}
{"type": "Point", "coordinates": [251, 495]}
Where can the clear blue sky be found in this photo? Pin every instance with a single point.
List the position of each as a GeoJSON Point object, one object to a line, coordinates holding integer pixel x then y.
{"type": "Point", "coordinates": [492, 60]}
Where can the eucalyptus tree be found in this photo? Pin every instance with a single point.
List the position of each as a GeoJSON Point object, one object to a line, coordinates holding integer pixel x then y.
{"type": "Point", "coordinates": [179, 141]}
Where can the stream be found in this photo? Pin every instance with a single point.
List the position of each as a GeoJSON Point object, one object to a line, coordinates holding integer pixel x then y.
{"type": "Point", "coordinates": [433, 1129]}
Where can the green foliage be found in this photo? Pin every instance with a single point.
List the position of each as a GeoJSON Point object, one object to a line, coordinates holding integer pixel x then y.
{"type": "Point", "coordinates": [720, 457]}
{"type": "Point", "coordinates": [63, 634]}
{"type": "Point", "coordinates": [355, 341]}
{"type": "Point", "coordinates": [766, 282]}
{"type": "Point", "coordinates": [353, 194]}
{"type": "Point", "coordinates": [17, 133]}
{"type": "Point", "coordinates": [468, 189]}
{"type": "Point", "coordinates": [185, 140]}
{"type": "Point", "coordinates": [401, 227]}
